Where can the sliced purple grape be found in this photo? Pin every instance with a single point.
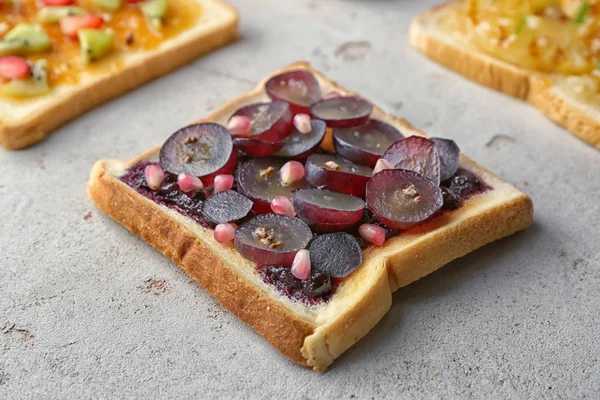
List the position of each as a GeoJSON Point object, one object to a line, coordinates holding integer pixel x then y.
{"type": "Point", "coordinates": [336, 254]}
{"type": "Point", "coordinates": [226, 207]}
{"type": "Point", "coordinates": [228, 168]}
{"type": "Point", "coordinates": [365, 144]}
{"type": "Point", "coordinates": [415, 153]}
{"type": "Point", "coordinates": [449, 153]}
{"type": "Point", "coordinates": [328, 211]}
{"type": "Point", "coordinates": [401, 198]}
{"type": "Point", "coordinates": [342, 112]}
{"type": "Point", "coordinates": [272, 239]}
{"type": "Point", "coordinates": [337, 174]}
{"type": "Point", "coordinates": [198, 150]}
{"type": "Point", "coordinates": [257, 147]}
{"type": "Point", "coordinates": [298, 88]}
{"type": "Point", "coordinates": [271, 122]}
{"type": "Point", "coordinates": [259, 180]}
{"type": "Point", "coordinates": [299, 145]}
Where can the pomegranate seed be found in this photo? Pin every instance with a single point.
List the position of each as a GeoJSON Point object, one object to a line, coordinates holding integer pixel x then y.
{"type": "Point", "coordinates": [134, 1]}
{"type": "Point", "coordinates": [70, 25]}
{"type": "Point", "coordinates": [381, 165]}
{"type": "Point", "coordinates": [239, 124]}
{"type": "Point", "coordinates": [302, 123]}
{"type": "Point", "coordinates": [372, 233]}
{"type": "Point", "coordinates": [225, 233]}
{"type": "Point", "coordinates": [223, 182]}
{"type": "Point", "coordinates": [188, 183]}
{"type": "Point", "coordinates": [283, 205]}
{"type": "Point", "coordinates": [155, 176]}
{"type": "Point", "coordinates": [292, 171]}
{"type": "Point", "coordinates": [58, 2]}
{"type": "Point", "coordinates": [301, 265]}
{"type": "Point", "coordinates": [332, 95]}
{"type": "Point", "coordinates": [13, 67]}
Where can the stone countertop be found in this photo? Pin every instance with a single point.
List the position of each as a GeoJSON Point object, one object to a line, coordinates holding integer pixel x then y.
{"type": "Point", "coordinates": [88, 310]}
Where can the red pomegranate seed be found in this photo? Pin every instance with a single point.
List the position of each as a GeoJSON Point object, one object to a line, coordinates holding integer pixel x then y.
{"type": "Point", "coordinates": [13, 67]}
{"type": "Point", "coordinates": [225, 233]}
{"type": "Point", "coordinates": [332, 95]}
{"type": "Point", "coordinates": [223, 182]}
{"type": "Point", "coordinates": [302, 123]}
{"type": "Point", "coordinates": [301, 265]}
{"type": "Point", "coordinates": [155, 176]}
{"type": "Point", "coordinates": [58, 2]}
{"type": "Point", "coordinates": [283, 205]}
{"type": "Point", "coordinates": [239, 124]}
{"type": "Point", "coordinates": [292, 171]}
{"type": "Point", "coordinates": [70, 25]}
{"type": "Point", "coordinates": [381, 165]}
{"type": "Point", "coordinates": [187, 183]}
{"type": "Point", "coordinates": [372, 233]}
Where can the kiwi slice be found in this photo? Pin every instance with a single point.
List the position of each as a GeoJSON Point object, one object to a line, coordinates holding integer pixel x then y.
{"type": "Point", "coordinates": [110, 5]}
{"type": "Point", "coordinates": [25, 39]}
{"type": "Point", "coordinates": [155, 11]}
{"type": "Point", "coordinates": [95, 43]}
{"type": "Point", "coordinates": [36, 86]}
{"type": "Point", "coordinates": [48, 15]}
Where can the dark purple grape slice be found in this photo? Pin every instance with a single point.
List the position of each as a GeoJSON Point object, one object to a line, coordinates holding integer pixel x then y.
{"type": "Point", "coordinates": [415, 153]}
{"type": "Point", "coordinates": [259, 180]}
{"type": "Point", "coordinates": [401, 198]}
{"type": "Point", "coordinates": [228, 168]}
{"type": "Point", "coordinates": [299, 145]}
{"type": "Point", "coordinates": [226, 206]}
{"type": "Point", "coordinates": [336, 254]}
{"type": "Point", "coordinates": [449, 153]}
{"type": "Point", "coordinates": [298, 88]}
{"type": "Point", "coordinates": [271, 122]}
{"type": "Point", "coordinates": [257, 147]}
{"type": "Point", "coordinates": [198, 150]}
{"type": "Point", "coordinates": [337, 174]}
{"type": "Point", "coordinates": [342, 112]}
{"type": "Point", "coordinates": [328, 211]}
{"type": "Point", "coordinates": [365, 144]}
{"type": "Point", "coordinates": [272, 239]}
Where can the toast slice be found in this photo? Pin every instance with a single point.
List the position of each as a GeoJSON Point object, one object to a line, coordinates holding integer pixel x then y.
{"type": "Point", "coordinates": [546, 92]}
{"type": "Point", "coordinates": [24, 122]}
{"type": "Point", "coordinates": [312, 335]}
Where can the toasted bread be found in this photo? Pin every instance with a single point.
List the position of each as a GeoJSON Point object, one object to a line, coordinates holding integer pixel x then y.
{"type": "Point", "coordinates": [542, 90]}
{"type": "Point", "coordinates": [312, 335]}
{"type": "Point", "coordinates": [25, 122]}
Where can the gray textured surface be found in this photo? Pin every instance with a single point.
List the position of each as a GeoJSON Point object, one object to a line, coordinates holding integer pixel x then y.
{"type": "Point", "coordinates": [89, 310]}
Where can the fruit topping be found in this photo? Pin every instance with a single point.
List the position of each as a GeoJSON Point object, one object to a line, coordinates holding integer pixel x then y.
{"type": "Point", "coordinates": [110, 5]}
{"type": "Point", "coordinates": [292, 171]}
{"type": "Point", "coordinates": [71, 25]}
{"type": "Point", "coordinates": [314, 290]}
{"type": "Point", "coordinates": [336, 254]}
{"type": "Point", "coordinates": [272, 239]}
{"type": "Point", "coordinates": [299, 145]}
{"type": "Point", "coordinates": [337, 174]}
{"type": "Point", "coordinates": [449, 153]}
{"type": "Point", "coordinates": [298, 88]}
{"type": "Point", "coordinates": [269, 121]}
{"type": "Point", "coordinates": [58, 2]}
{"type": "Point", "coordinates": [259, 179]}
{"type": "Point", "coordinates": [95, 43]}
{"type": "Point", "coordinates": [189, 183]}
{"type": "Point", "coordinates": [302, 123]}
{"type": "Point", "coordinates": [365, 144]}
{"type": "Point", "coordinates": [154, 175]}
{"type": "Point", "coordinates": [225, 233]}
{"type": "Point", "coordinates": [155, 11]}
{"type": "Point", "coordinates": [401, 198]}
{"type": "Point", "coordinates": [226, 206]}
{"type": "Point", "coordinates": [301, 265]}
{"type": "Point", "coordinates": [48, 15]}
{"type": "Point", "coordinates": [36, 86]}
{"type": "Point", "coordinates": [199, 150]}
{"type": "Point", "coordinates": [223, 182]}
{"type": "Point", "coordinates": [464, 184]}
{"type": "Point", "coordinates": [452, 200]}
{"type": "Point", "coordinates": [416, 153]}
{"type": "Point", "coordinates": [239, 125]}
{"type": "Point", "coordinates": [382, 164]}
{"type": "Point", "coordinates": [283, 205]}
{"type": "Point", "coordinates": [372, 233]}
{"type": "Point", "coordinates": [327, 211]}
{"type": "Point", "coordinates": [25, 39]}
{"type": "Point", "coordinates": [12, 67]}
{"type": "Point", "coordinates": [342, 112]}
{"type": "Point", "coordinates": [257, 147]}
{"type": "Point", "coordinates": [227, 169]}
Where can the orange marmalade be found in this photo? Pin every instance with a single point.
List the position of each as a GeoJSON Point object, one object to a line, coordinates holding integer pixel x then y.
{"type": "Point", "coordinates": [133, 33]}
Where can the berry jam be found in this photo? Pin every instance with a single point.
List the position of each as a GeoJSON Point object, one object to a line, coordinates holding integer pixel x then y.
{"type": "Point", "coordinates": [317, 289]}
{"type": "Point", "coordinates": [461, 186]}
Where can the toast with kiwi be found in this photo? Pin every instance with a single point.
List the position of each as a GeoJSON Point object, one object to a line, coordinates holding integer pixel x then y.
{"type": "Point", "coordinates": [57, 62]}
{"type": "Point", "coordinates": [315, 278]}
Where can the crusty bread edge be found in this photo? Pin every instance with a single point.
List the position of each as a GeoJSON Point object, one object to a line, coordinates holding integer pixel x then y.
{"type": "Point", "coordinates": [24, 132]}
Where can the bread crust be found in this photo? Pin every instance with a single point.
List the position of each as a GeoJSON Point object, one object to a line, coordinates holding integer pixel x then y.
{"type": "Point", "coordinates": [498, 75]}
{"type": "Point", "coordinates": [22, 132]}
{"type": "Point", "coordinates": [361, 301]}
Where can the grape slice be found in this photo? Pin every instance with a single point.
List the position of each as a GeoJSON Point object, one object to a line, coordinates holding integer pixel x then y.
{"type": "Point", "coordinates": [259, 180]}
{"type": "Point", "coordinates": [365, 144]}
{"type": "Point", "coordinates": [226, 207]}
{"type": "Point", "coordinates": [228, 168]}
{"type": "Point", "coordinates": [272, 239]}
{"type": "Point", "coordinates": [416, 153]}
{"type": "Point", "coordinates": [449, 153]}
{"type": "Point", "coordinates": [299, 145]}
{"type": "Point", "coordinates": [401, 198]}
{"type": "Point", "coordinates": [342, 112]}
{"type": "Point", "coordinates": [257, 147]}
{"type": "Point", "coordinates": [337, 174]}
{"type": "Point", "coordinates": [336, 254]}
{"type": "Point", "coordinates": [328, 211]}
{"type": "Point", "coordinates": [271, 122]}
{"type": "Point", "coordinates": [298, 88]}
